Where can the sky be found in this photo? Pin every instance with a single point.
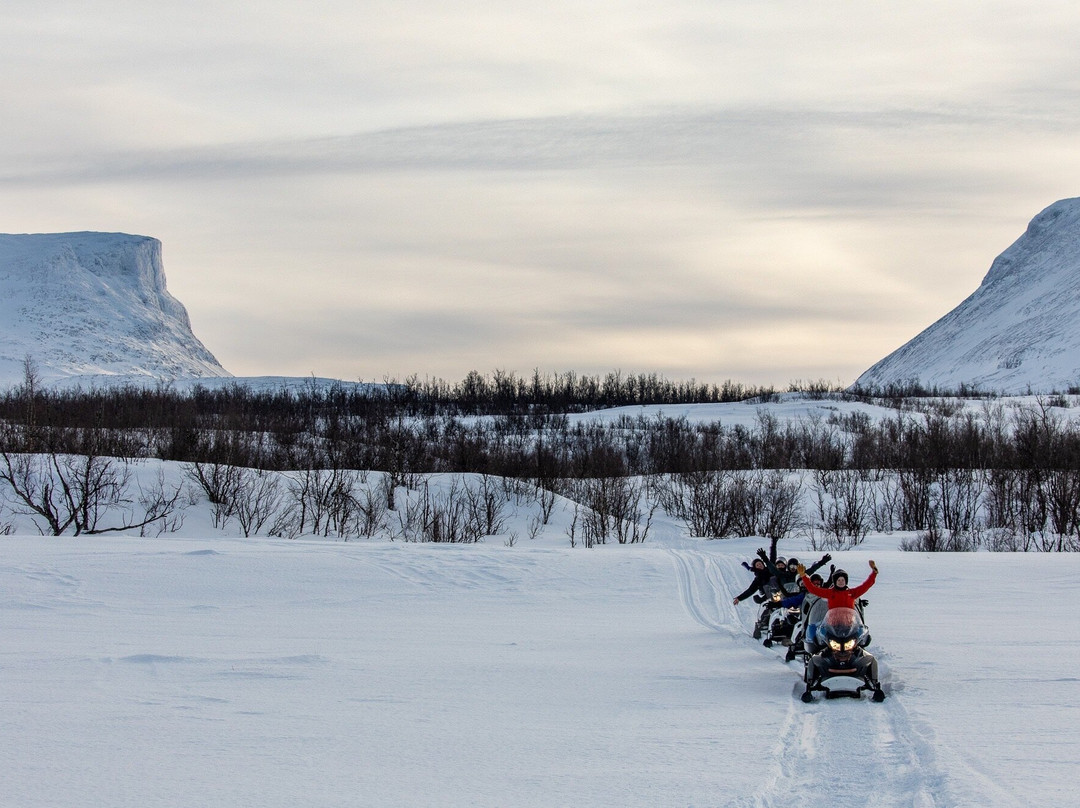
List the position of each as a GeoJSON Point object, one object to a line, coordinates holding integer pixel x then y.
{"type": "Point", "coordinates": [767, 192]}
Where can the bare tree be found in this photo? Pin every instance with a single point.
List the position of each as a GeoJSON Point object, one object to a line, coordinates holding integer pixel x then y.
{"type": "Point", "coordinates": [780, 514]}
{"type": "Point", "coordinates": [611, 508]}
{"type": "Point", "coordinates": [257, 499]}
{"type": "Point", "coordinates": [845, 508]}
{"type": "Point", "coordinates": [62, 492]}
{"type": "Point", "coordinates": [221, 484]}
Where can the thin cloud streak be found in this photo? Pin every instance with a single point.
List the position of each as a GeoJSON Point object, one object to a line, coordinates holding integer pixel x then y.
{"type": "Point", "coordinates": [557, 143]}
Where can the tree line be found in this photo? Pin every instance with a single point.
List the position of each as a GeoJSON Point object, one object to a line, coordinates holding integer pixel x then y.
{"type": "Point", "coordinates": [931, 465]}
{"type": "Point", "coordinates": [494, 425]}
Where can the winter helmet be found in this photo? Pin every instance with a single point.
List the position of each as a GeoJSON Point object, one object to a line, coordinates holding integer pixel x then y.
{"type": "Point", "coordinates": [792, 563]}
{"type": "Point", "coordinates": [841, 574]}
{"type": "Point", "coordinates": [780, 560]}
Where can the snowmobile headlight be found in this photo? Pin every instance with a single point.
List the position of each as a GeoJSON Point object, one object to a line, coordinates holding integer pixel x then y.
{"type": "Point", "coordinates": [776, 597]}
{"type": "Point", "coordinates": [836, 645]}
{"type": "Point", "coordinates": [849, 645]}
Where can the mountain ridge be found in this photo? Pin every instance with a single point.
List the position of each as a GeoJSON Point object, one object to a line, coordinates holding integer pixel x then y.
{"type": "Point", "coordinates": [1018, 332]}
{"type": "Point", "coordinates": [92, 304]}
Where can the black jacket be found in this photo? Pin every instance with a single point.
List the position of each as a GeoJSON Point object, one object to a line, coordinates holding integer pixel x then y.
{"type": "Point", "coordinates": [761, 578]}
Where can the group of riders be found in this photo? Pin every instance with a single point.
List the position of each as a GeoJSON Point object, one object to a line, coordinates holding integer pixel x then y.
{"type": "Point", "coordinates": [818, 618]}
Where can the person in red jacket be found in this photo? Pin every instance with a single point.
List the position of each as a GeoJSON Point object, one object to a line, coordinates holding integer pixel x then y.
{"type": "Point", "coordinates": [839, 596]}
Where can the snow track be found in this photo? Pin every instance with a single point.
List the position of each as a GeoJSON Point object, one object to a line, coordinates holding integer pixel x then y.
{"type": "Point", "coordinates": [869, 753]}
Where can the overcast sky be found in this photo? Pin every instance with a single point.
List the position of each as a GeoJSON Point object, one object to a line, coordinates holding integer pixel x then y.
{"type": "Point", "coordinates": [764, 191]}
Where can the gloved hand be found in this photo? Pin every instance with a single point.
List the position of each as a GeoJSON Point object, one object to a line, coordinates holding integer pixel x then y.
{"type": "Point", "coordinates": [873, 566]}
{"type": "Point", "coordinates": [735, 602]}
{"type": "Point", "coordinates": [801, 570]}
{"type": "Point", "coordinates": [826, 558]}
{"type": "Point", "coordinates": [761, 552]}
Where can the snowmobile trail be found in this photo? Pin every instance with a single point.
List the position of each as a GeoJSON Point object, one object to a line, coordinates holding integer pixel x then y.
{"type": "Point", "coordinates": [872, 754]}
{"type": "Point", "coordinates": [867, 752]}
{"type": "Point", "coordinates": [701, 588]}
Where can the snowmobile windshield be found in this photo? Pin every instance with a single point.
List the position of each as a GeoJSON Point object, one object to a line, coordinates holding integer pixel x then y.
{"type": "Point", "coordinates": [842, 623]}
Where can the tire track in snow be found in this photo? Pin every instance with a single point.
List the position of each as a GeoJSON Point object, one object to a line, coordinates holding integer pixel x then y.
{"type": "Point", "coordinates": [704, 583]}
{"type": "Point", "coordinates": [861, 753]}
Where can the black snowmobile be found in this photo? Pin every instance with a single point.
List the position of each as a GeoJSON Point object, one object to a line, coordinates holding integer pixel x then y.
{"type": "Point", "coordinates": [784, 619]}
{"type": "Point", "coordinates": [812, 612]}
{"type": "Point", "coordinates": [769, 600]}
{"type": "Point", "coordinates": [841, 666]}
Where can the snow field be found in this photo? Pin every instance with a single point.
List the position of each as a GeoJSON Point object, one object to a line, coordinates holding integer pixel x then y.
{"type": "Point", "coordinates": [159, 672]}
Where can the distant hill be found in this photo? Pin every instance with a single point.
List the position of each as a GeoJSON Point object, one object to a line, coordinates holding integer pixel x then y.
{"type": "Point", "coordinates": [93, 305]}
{"type": "Point", "coordinates": [1018, 332]}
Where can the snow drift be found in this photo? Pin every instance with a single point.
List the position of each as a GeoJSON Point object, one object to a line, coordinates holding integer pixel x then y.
{"type": "Point", "coordinates": [1018, 332]}
{"type": "Point", "coordinates": [93, 304]}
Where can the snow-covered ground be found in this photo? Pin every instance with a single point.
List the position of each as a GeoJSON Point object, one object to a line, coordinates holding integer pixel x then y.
{"type": "Point", "coordinates": [208, 669]}
{"type": "Point", "coordinates": [794, 407]}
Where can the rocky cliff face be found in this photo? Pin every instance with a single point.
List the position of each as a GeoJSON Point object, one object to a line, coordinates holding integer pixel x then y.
{"type": "Point", "coordinates": [93, 304]}
{"type": "Point", "coordinates": [1019, 331]}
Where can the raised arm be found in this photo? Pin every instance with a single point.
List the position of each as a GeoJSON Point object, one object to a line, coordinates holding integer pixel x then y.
{"type": "Point", "coordinates": [860, 590]}
{"type": "Point", "coordinates": [811, 587]}
{"type": "Point", "coordinates": [825, 559]}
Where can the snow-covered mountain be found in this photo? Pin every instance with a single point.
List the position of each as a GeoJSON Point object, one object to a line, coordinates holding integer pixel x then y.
{"type": "Point", "coordinates": [85, 305]}
{"type": "Point", "coordinates": [1019, 331]}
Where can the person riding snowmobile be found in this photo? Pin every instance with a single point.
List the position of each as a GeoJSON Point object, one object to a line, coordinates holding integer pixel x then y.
{"type": "Point", "coordinates": [839, 595]}
{"type": "Point", "coordinates": [843, 654]}
{"type": "Point", "coordinates": [762, 576]}
{"type": "Point", "coordinates": [784, 571]}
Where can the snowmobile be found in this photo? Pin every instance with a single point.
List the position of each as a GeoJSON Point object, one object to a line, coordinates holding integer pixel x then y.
{"type": "Point", "coordinates": [769, 600]}
{"type": "Point", "coordinates": [842, 667]}
{"type": "Point", "coordinates": [785, 619]}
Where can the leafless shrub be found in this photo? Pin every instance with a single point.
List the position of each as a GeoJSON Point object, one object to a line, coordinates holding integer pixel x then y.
{"type": "Point", "coordinates": [936, 540]}
{"type": "Point", "coordinates": [703, 501]}
{"type": "Point", "coordinates": [535, 526]}
{"type": "Point", "coordinates": [546, 498]}
{"type": "Point", "coordinates": [611, 508]}
{"type": "Point", "coordinates": [461, 514]}
{"type": "Point", "coordinates": [1002, 506]}
{"type": "Point", "coordinates": [486, 505]}
{"type": "Point", "coordinates": [221, 483]}
{"type": "Point", "coordinates": [324, 502]}
{"type": "Point", "coordinates": [1063, 502]}
{"type": "Point", "coordinates": [958, 500]}
{"type": "Point", "coordinates": [370, 513]}
{"type": "Point", "coordinates": [916, 498]}
{"type": "Point", "coordinates": [258, 498]}
{"type": "Point", "coordinates": [166, 505]}
{"type": "Point", "coordinates": [1004, 540]}
{"type": "Point", "coordinates": [62, 492]}
{"type": "Point", "coordinates": [845, 506]}
{"type": "Point", "coordinates": [780, 497]}
{"type": "Point", "coordinates": [888, 504]}
{"type": "Point", "coordinates": [719, 504]}
{"type": "Point", "coordinates": [517, 490]}
{"type": "Point", "coordinates": [1033, 509]}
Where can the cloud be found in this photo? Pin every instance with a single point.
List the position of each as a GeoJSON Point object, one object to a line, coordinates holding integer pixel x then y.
{"type": "Point", "coordinates": [718, 139]}
{"type": "Point", "coordinates": [674, 240]}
